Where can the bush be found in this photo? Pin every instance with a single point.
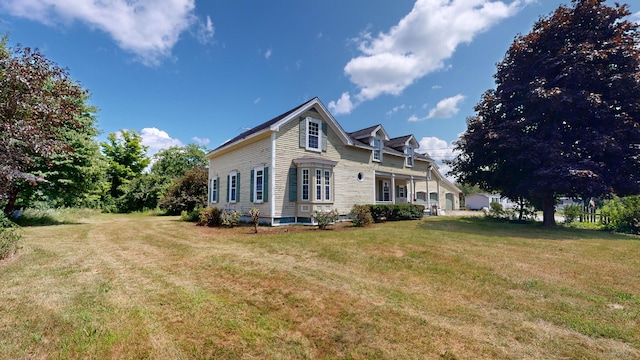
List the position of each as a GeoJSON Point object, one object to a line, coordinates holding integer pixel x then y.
{"type": "Point", "coordinates": [8, 237]}
{"type": "Point", "coordinates": [623, 214]}
{"type": "Point", "coordinates": [255, 218]}
{"type": "Point", "coordinates": [229, 218]}
{"type": "Point", "coordinates": [191, 216]}
{"type": "Point", "coordinates": [210, 216]}
{"type": "Point", "coordinates": [187, 193]}
{"type": "Point", "coordinates": [324, 219]}
{"type": "Point", "coordinates": [572, 213]}
{"type": "Point", "coordinates": [361, 215]}
{"type": "Point", "coordinates": [496, 211]}
{"type": "Point", "coordinates": [396, 212]}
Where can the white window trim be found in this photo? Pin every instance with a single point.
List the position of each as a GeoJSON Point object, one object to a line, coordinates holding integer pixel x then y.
{"type": "Point", "coordinates": [318, 122]}
{"type": "Point", "coordinates": [318, 185]}
{"type": "Point", "coordinates": [410, 158]}
{"type": "Point", "coordinates": [233, 195]}
{"type": "Point", "coordinates": [255, 184]}
{"type": "Point", "coordinates": [302, 184]}
{"type": "Point", "coordinates": [377, 148]}
{"type": "Point", "coordinates": [214, 190]}
{"type": "Point", "coordinates": [327, 185]}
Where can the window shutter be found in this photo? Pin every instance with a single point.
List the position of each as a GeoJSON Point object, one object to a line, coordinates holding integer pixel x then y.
{"type": "Point", "coordinates": [380, 190]}
{"type": "Point", "coordinates": [324, 136]}
{"type": "Point", "coordinates": [293, 184]}
{"type": "Point", "coordinates": [217, 182]}
{"type": "Point", "coordinates": [303, 132]}
{"type": "Point", "coordinates": [265, 184]}
{"type": "Point", "coordinates": [228, 186]}
{"type": "Point", "coordinates": [397, 191]}
{"type": "Point", "coordinates": [238, 187]}
{"type": "Point", "coordinates": [251, 186]}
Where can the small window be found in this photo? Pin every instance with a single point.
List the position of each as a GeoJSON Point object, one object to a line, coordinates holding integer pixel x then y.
{"type": "Point", "coordinates": [318, 184]}
{"type": "Point", "coordinates": [409, 152]}
{"type": "Point", "coordinates": [377, 149]}
{"type": "Point", "coordinates": [214, 191]}
{"type": "Point", "coordinates": [386, 195]}
{"type": "Point", "coordinates": [402, 193]}
{"type": "Point", "coordinates": [327, 185]}
{"type": "Point", "coordinates": [258, 185]}
{"type": "Point", "coordinates": [314, 126]}
{"type": "Point", "coordinates": [233, 187]}
{"type": "Point", "coordinates": [305, 185]}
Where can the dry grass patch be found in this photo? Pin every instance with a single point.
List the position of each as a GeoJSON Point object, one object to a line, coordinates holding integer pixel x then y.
{"type": "Point", "coordinates": [127, 286]}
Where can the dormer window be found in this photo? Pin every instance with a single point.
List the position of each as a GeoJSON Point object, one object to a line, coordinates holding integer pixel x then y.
{"type": "Point", "coordinates": [409, 151]}
{"type": "Point", "coordinates": [377, 149]}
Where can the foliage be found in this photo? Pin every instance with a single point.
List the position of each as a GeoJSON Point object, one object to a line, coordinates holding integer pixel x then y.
{"type": "Point", "coordinates": [141, 193]}
{"type": "Point", "coordinates": [396, 212]}
{"type": "Point", "coordinates": [9, 237]}
{"type": "Point", "coordinates": [174, 161]}
{"type": "Point", "coordinates": [126, 159]}
{"type": "Point", "coordinates": [496, 210]}
{"type": "Point", "coordinates": [623, 214]}
{"type": "Point", "coordinates": [572, 212]}
{"type": "Point", "coordinates": [40, 106]}
{"type": "Point", "coordinates": [187, 193]}
{"type": "Point", "coordinates": [229, 218]}
{"type": "Point", "coordinates": [191, 216]}
{"type": "Point", "coordinates": [361, 215]}
{"type": "Point", "coordinates": [255, 218]}
{"type": "Point", "coordinates": [325, 218]}
{"type": "Point", "coordinates": [562, 119]}
{"type": "Point", "coordinates": [210, 216]}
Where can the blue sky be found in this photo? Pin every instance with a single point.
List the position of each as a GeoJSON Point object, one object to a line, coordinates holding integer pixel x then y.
{"type": "Point", "coordinates": [192, 71]}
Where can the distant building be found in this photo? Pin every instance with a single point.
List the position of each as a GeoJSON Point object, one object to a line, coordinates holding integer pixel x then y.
{"type": "Point", "coordinates": [483, 200]}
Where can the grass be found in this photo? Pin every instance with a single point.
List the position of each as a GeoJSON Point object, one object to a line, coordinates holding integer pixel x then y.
{"type": "Point", "coordinates": [133, 286]}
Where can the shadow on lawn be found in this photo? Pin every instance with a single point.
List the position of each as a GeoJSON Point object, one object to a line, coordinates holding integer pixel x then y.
{"type": "Point", "coordinates": [481, 226]}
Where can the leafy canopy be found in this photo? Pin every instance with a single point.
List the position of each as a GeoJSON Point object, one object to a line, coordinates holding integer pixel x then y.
{"type": "Point", "coordinates": [563, 118]}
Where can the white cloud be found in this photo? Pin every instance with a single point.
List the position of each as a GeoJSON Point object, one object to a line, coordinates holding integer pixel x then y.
{"type": "Point", "coordinates": [636, 17]}
{"type": "Point", "coordinates": [267, 55]}
{"type": "Point", "coordinates": [257, 100]}
{"type": "Point", "coordinates": [147, 28]}
{"type": "Point", "coordinates": [342, 106]}
{"type": "Point", "coordinates": [444, 109]}
{"type": "Point", "coordinates": [396, 109]}
{"type": "Point", "coordinates": [420, 43]}
{"type": "Point", "coordinates": [157, 140]}
{"type": "Point", "coordinates": [439, 150]}
{"type": "Point", "coordinates": [201, 141]}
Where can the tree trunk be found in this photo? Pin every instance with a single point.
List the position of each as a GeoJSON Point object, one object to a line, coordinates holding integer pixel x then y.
{"type": "Point", "coordinates": [12, 196]}
{"type": "Point", "coordinates": [548, 209]}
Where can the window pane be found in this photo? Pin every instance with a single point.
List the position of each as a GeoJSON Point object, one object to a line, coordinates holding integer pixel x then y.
{"type": "Point", "coordinates": [327, 185]}
{"type": "Point", "coordinates": [318, 184]}
{"type": "Point", "coordinates": [305, 184]}
{"type": "Point", "coordinates": [314, 135]}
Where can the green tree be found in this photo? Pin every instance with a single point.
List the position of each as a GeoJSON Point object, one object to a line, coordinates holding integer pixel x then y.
{"type": "Point", "coordinates": [141, 193]}
{"type": "Point", "coordinates": [39, 103]}
{"type": "Point", "coordinates": [563, 118]}
{"type": "Point", "coordinates": [126, 158]}
{"type": "Point", "coordinates": [75, 177]}
{"type": "Point", "coordinates": [174, 161]}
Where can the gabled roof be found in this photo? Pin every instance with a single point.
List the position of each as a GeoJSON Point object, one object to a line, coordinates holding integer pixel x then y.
{"type": "Point", "coordinates": [369, 132]}
{"type": "Point", "coordinates": [275, 124]}
{"type": "Point", "coordinates": [402, 141]}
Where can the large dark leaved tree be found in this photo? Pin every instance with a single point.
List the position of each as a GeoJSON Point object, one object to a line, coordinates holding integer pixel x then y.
{"type": "Point", "coordinates": [39, 105]}
{"type": "Point", "coordinates": [564, 116]}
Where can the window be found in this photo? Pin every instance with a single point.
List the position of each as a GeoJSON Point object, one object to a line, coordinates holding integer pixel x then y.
{"type": "Point", "coordinates": [233, 187]}
{"type": "Point", "coordinates": [377, 149]}
{"type": "Point", "coordinates": [402, 191]}
{"type": "Point", "coordinates": [409, 152]}
{"type": "Point", "coordinates": [327, 185]}
{"type": "Point", "coordinates": [313, 134]}
{"type": "Point", "coordinates": [214, 190]}
{"type": "Point", "coordinates": [318, 184]}
{"type": "Point", "coordinates": [305, 184]}
{"type": "Point", "coordinates": [385, 191]}
{"type": "Point", "coordinates": [258, 184]}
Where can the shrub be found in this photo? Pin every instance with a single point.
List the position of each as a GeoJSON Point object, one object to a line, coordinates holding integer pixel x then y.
{"type": "Point", "coordinates": [396, 212]}
{"type": "Point", "coordinates": [191, 216]}
{"type": "Point", "coordinates": [361, 215]}
{"type": "Point", "coordinates": [8, 237]}
{"type": "Point", "coordinates": [188, 193]}
{"type": "Point", "coordinates": [572, 213]}
{"type": "Point", "coordinates": [623, 214]}
{"type": "Point", "coordinates": [496, 211]}
{"type": "Point", "coordinates": [326, 218]}
{"type": "Point", "coordinates": [255, 218]}
{"type": "Point", "coordinates": [210, 216]}
{"type": "Point", "coordinates": [229, 218]}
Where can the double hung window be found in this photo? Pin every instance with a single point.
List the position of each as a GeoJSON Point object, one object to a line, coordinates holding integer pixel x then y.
{"type": "Point", "coordinates": [314, 127]}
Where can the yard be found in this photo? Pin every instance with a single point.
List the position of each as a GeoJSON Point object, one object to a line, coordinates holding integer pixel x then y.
{"type": "Point", "coordinates": [136, 286]}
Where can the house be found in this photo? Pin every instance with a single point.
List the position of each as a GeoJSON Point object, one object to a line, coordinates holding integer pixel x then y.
{"type": "Point", "coordinates": [481, 200]}
{"type": "Point", "coordinates": [303, 161]}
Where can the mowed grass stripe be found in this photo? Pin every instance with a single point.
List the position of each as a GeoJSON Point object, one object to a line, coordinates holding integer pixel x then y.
{"type": "Point", "coordinates": [133, 286]}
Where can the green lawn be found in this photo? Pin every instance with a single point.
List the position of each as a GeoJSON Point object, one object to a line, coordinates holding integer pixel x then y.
{"type": "Point", "coordinates": [134, 286]}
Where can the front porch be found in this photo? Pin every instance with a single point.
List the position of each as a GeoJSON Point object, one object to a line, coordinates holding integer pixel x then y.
{"type": "Point", "coordinates": [391, 188]}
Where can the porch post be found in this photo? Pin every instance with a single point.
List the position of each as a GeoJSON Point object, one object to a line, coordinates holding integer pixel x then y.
{"type": "Point", "coordinates": [393, 188]}
{"type": "Point", "coordinates": [438, 186]}
{"type": "Point", "coordinates": [412, 196]}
